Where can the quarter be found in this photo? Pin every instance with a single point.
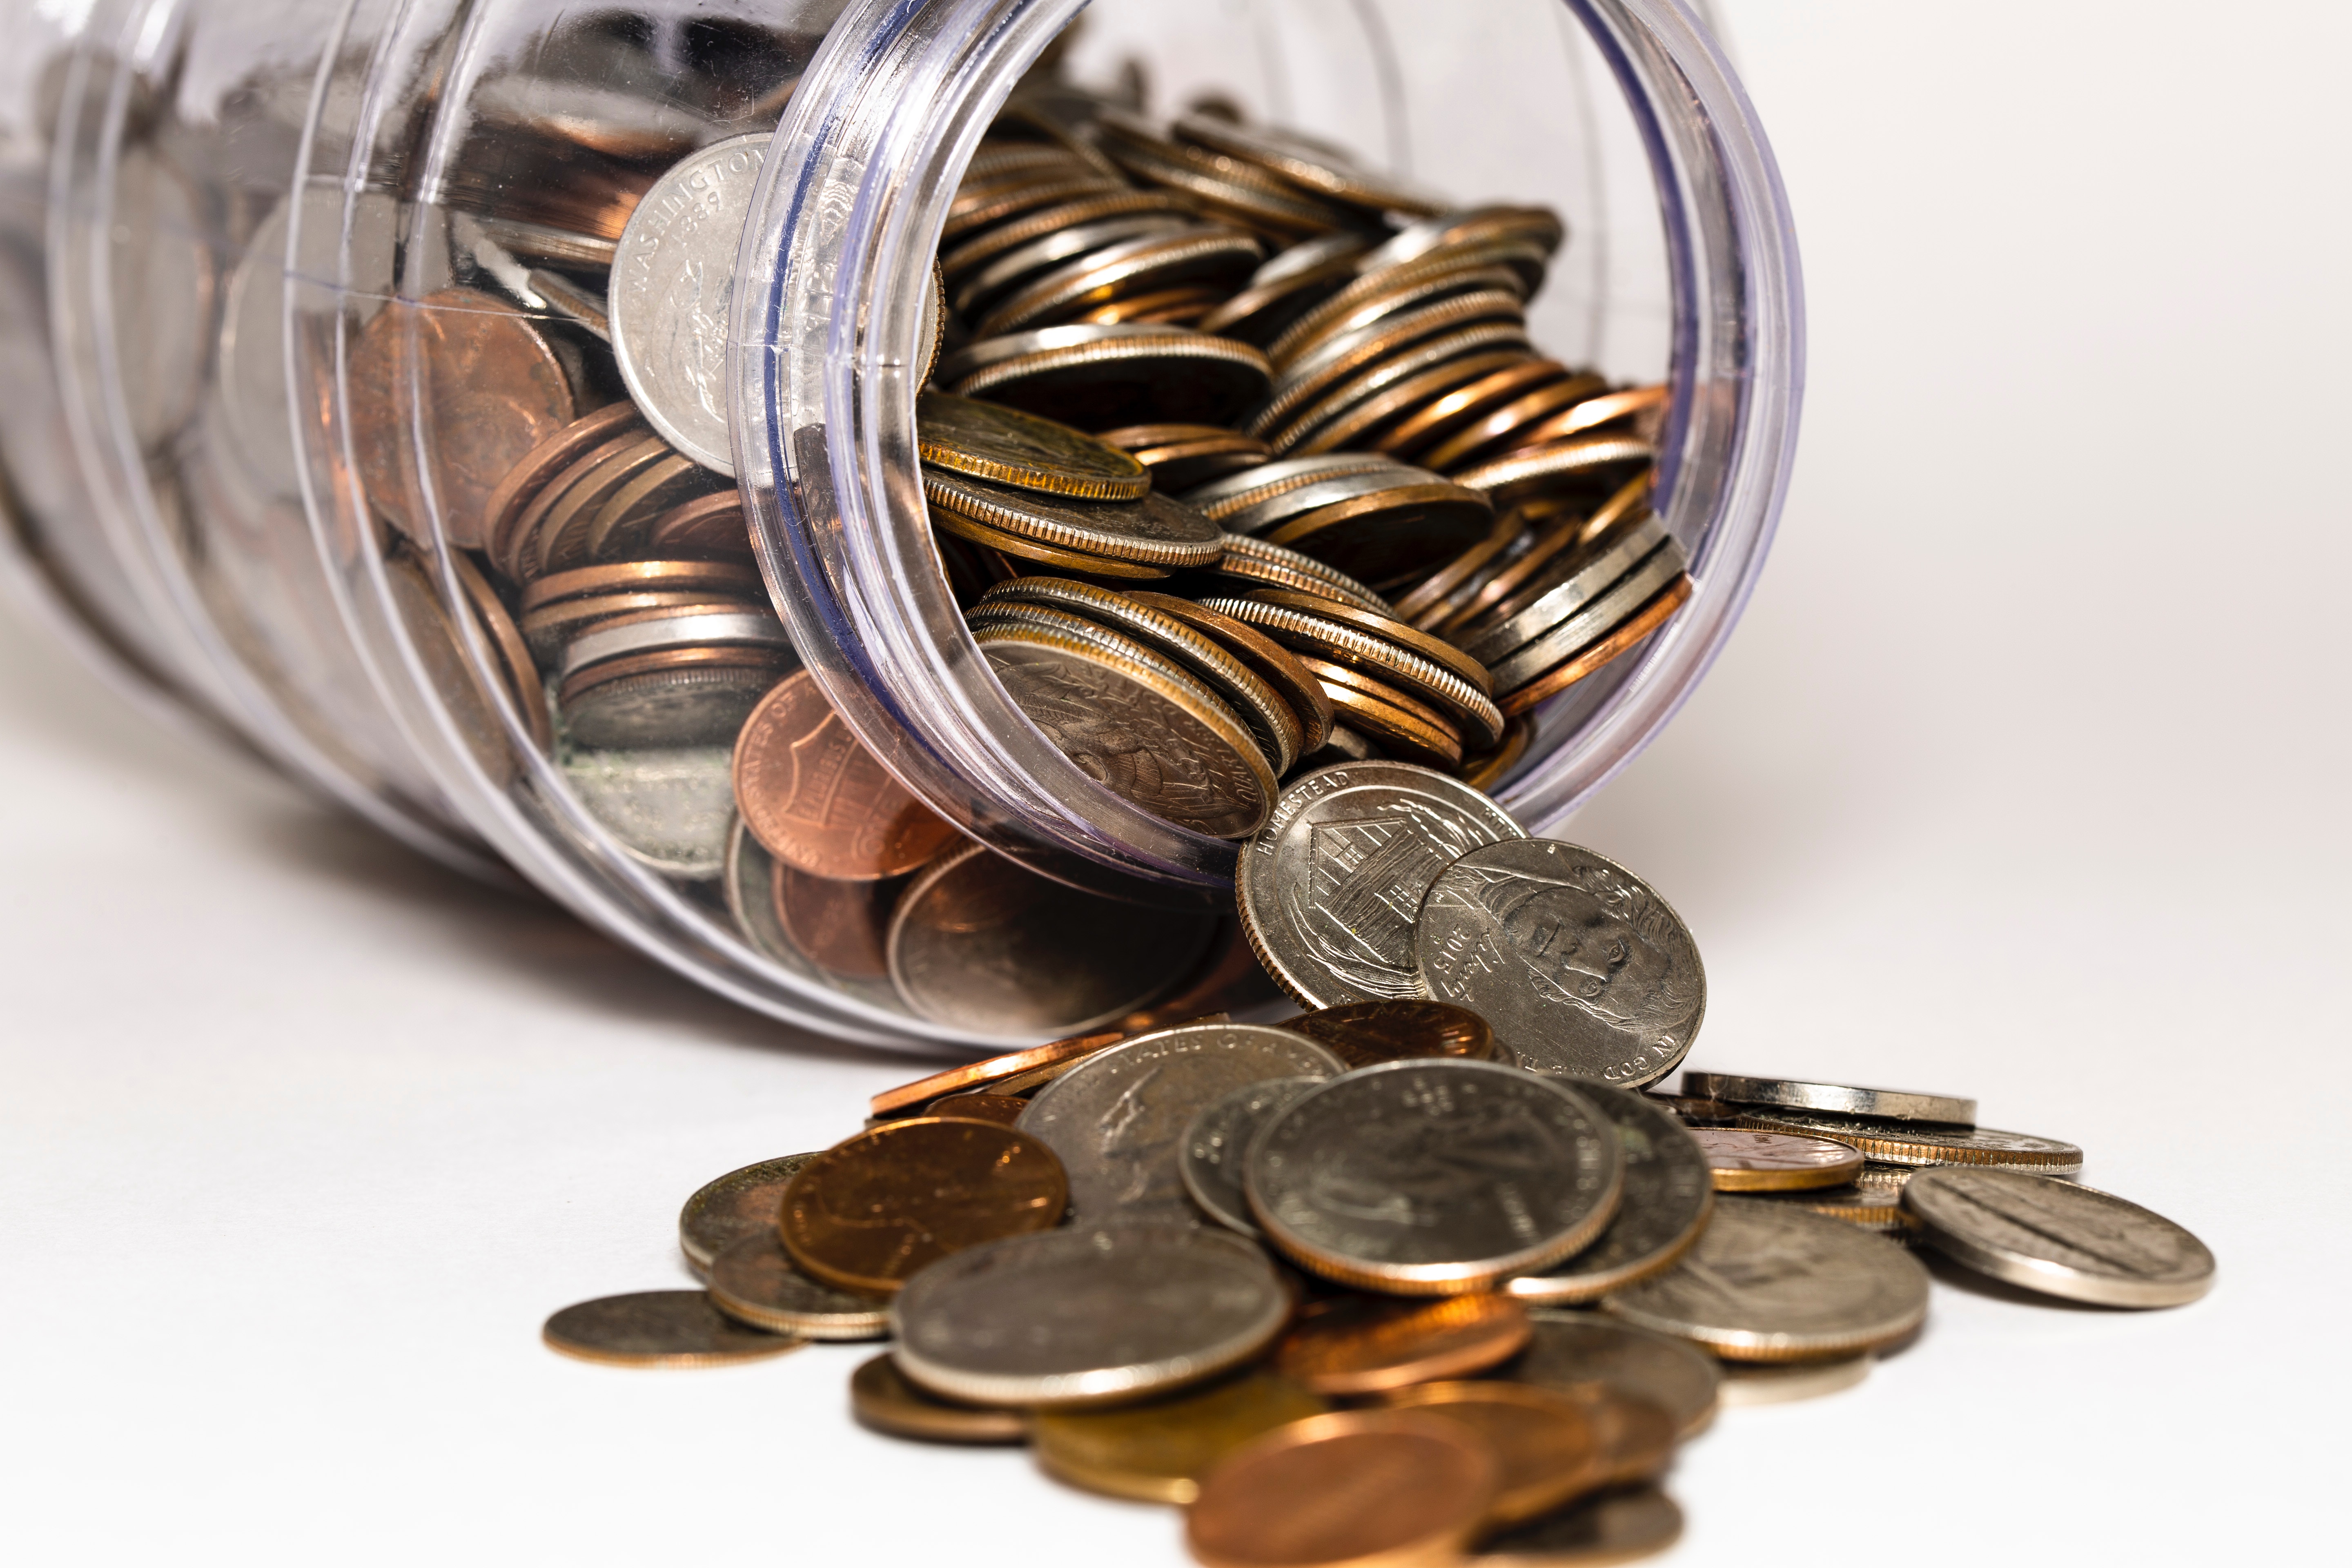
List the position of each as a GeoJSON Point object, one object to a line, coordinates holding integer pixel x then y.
{"type": "Point", "coordinates": [2059, 1239]}
{"type": "Point", "coordinates": [1667, 1200]}
{"type": "Point", "coordinates": [660, 1329]}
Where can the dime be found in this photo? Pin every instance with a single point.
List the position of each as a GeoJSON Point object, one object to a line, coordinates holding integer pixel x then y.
{"type": "Point", "coordinates": [1157, 530]}
{"type": "Point", "coordinates": [1665, 1205]}
{"type": "Point", "coordinates": [1389, 1487]}
{"type": "Point", "coordinates": [1366, 1344]}
{"type": "Point", "coordinates": [1089, 1315]}
{"type": "Point", "coordinates": [1548, 1449]}
{"type": "Point", "coordinates": [985, 948]}
{"type": "Point", "coordinates": [1614, 1527]}
{"type": "Point", "coordinates": [1582, 967]}
{"type": "Point", "coordinates": [881, 1397]}
{"type": "Point", "coordinates": [745, 1202]}
{"type": "Point", "coordinates": [873, 1210]}
{"type": "Point", "coordinates": [660, 1329]}
{"type": "Point", "coordinates": [1362, 1033]}
{"type": "Point", "coordinates": [1836, 1099]}
{"type": "Point", "coordinates": [1101, 377]}
{"type": "Point", "coordinates": [1004, 1075]}
{"type": "Point", "coordinates": [755, 1282]}
{"type": "Point", "coordinates": [990, 441]}
{"type": "Point", "coordinates": [842, 927]}
{"type": "Point", "coordinates": [1749, 1162]}
{"type": "Point", "coordinates": [1329, 889]}
{"type": "Point", "coordinates": [1909, 1144]}
{"type": "Point", "coordinates": [1118, 1120]}
{"type": "Point", "coordinates": [1760, 1383]}
{"type": "Point", "coordinates": [819, 801]}
{"type": "Point", "coordinates": [2059, 1239]}
{"type": "Point", "coordinates": [1579, 1350]}
{"type": "Point", "coordinates": [1208, 1156]}
{"type": "Point", "coordinates": [1480, 1171]}
{"type": "Point", "coordinates": [1241, 494]}
{"type": "Point", "coordinates": [1005, 1109]}
{"type": "Point", "coordinates": [673, 273]}
{"type": "Point", "coordinates": [1771, 1283]}
{"type": "Point", "coordinates": [1157, 1452]}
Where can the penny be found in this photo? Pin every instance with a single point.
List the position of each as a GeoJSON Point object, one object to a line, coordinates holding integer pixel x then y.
{"type": "Point", "coordinates": [1004, 1110]}
{"type": "Point", "coordinates": [1053, 556]}
{"type": "Point", "coordinates": [1761, 1383]}
{"type": "Point", "coordinates": [1910, 1143]}
{"type": "Point", "coordinates": [2059, 1239]}
{"type": "Point", "coordinates": [1366, 1344]}
{"type": "Point", "coordinates": [818, 801]}
{"type": "Point", "coordinates": [1330, 887]}
{"type": "Point", "coordinates": [1157, 530]}
{"type": "Point", "coordinates": [1749, 1162]}
{"type": "Point", "coordinates": [755, 1282]}
{"type": "Point", "coordinates": [1273, 663]}
{"type": "Point", "coordinates": [1100, 377]}
{"type": "Point", "coordinates": [1208, 1156]}
{"type": "Point", "coordinates": [1388, 1487]}
{"type": "Point", "coordinates": [1483, 1172]}
{"type": "Point", "coordinates": [660, 1329]}
{"type": "Point", "coordinates": [745, 1202]}
{"type": "Point", "coordinates": [715, 577]}
{"type": "Point", "coordinates": [1597, 655]}
{"type": "Point", "coordinates": [1157, 1452]}
{"type": "Point", "coordinates": [1117, 1120]}
{"type": "Point", "coordinates": [1773, 1283]}
{"type": "Point", "coordinates": [519, 673]}
{"type": "Point", "coordinates": [997, 1074]}
{"type": "Point", "coordinates": [990, 441]}
{"type": "Point", "coordinates": [1666, 1203]}
{"type": "Point", "coordinates": [1088, 1315]}
{"type": "Point", "coordinates": [1581, 966]}
{"type": "Point", "coordinates": [841, 926]}
{"type": "Point", "coordinates": [1613, 1527]}
{"type": "Point", "coordinates": [1547, 1448]}
{"type": "Point", "coordinates": [540, 466]}
{"type": "Point", "coordinates": [706, 526]}
{"type": "Point", "coordinates": [875, 1208]}
{"type": "Point", "coordinates": [983, 947]}
{"type": "Point", "coordinates": [1580, 1350]}
{"type": "Point", "coordinates": [881, 1397]}
{"type": "Point", "coordinates": [1835, 1099]}
{"type": "Point", "coordinates": [672, 274]}
{"type": "Point", "coordinates": [1259, 565]}
{"type": "Point", "coordinates": [1399, 1029]}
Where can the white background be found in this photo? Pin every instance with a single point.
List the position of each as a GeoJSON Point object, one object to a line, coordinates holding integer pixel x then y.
{"type": "Point", "coordinates": [2023, 779]}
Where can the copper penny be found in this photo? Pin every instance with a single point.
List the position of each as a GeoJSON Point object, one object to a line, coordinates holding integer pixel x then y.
{"type": "Point", "coordinates": [1350, 1489]}
{"type": "Point", "coordinates": [881, 1397]}
{"type": "Point", "coordinates": [815, 798]}
{"type": "Point", "coordinates": [541, 464]}
{"type": "Point", "coordinates": [1362, 1033]}
{"type": "Point", "coordinates": [1636, 1437]}
{"type": "Point", "coordinates": [1367, 1344]}
{"type": "Point", "coordinates": [1544, 1439]}
{"type": "Point", "coordinates": [842, 927]}
{"type": "Point", "coordinates": [660, 1329]}
{"type": "Point", "coordinates": [723, 578]}
{"type": "Point", "coordinates": [873, 1210]}
{"type": "Point", "coordinates": [1005, 1109]}
{"type": "Point", "coordinates": [1038, 1064]}
{"type": "Point", "coordinates": [1744, 1161]}
{"type": "Point", "coordinates": [707, 525]}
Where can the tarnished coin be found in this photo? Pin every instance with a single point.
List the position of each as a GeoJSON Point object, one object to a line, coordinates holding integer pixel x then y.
{"type": "Point", "coordinates": [1581, 966]}
{"type": "Point", "coordinates": [539, 467]}
{"type": "Point", "coordinates": [1637, 1439]}
{"type": "Point", "coordinates": [1157, 1452]}
{"type": "Point", "coordinates": [881, 1398]}
{"type": "Point", "coordinates": [991, 441]}
{"type": "Point", "coordinates": [875, 1208]}
{"type": "Point", "coordinates": [1911, 1143]}
{"type": "Point", "coordinates": [1014, 548]}
{"type": "Point", "coordinates": [1089, 1315]}
{"type": "Point", "coordinates": [1210, 1155]}
{"type": "Point", "coordinates": [1101, 377]}
{"type": "Point", "coordinates": [1578, 1351]}
{"type": "Point", "coordinates": [1365, 1344]}
{"type": "Point", "coordinates": [1362, 1033]}
{"type": "Point", "coordinates": [1013, 1073]}
{"type": "Point", "coordinates": [1784, 1383]}
{"type": "Point", "coordinates": [1666, 1202]}
{"type": "Point", "coordinates": [660, 1329]}
{"type": "Point", "coordinates": [755, 1282]}
{"type": "Point", "coordinates": [986, 948]}
{"type": "Point", "coordinates": [672, 279]}
{"type": "Point", "coordinates": [2059, 1239]}
{"type": "Point", "coordinates": [1744, 1161]}
{"type": "Point", "coordinates": [1118, 1119]}
{"type": "Point", "coordinates": [1771, 1283]}
{"type": "Point", "coordinates": [746, 1202]}
{"type": "Point", "coordinates": [1693, 1113]}
{"type": "Point", "coordinates": [1331, 885]}
{"type": "Point", "coordinates": [842, 927]}
{"type": "Point", "coordinates": [1613, 1527]}
{"type": "Point", "coordinates": [1834, 1098]}
{"type": "Point", "coordinates": [1430, 1178]}
{"type": "Point", "coordinates": [817, 799]}
{"type": "Point", "coordinates": [1390, 1487]}
{"type": "Point", "coordinates": [1005, 1109]}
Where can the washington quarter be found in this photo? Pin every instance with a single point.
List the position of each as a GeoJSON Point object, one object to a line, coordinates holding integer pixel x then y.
{"type": "Point", "coordinates": [2059, 1239]}
{"type": "Point", "coordinates": [1210, 1157]}
{"type": "Point", "coordinates": [1667, 1201]}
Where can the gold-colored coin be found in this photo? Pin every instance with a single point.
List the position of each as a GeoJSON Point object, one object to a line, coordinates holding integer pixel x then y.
{"type": "Point", "coordinates": [1275, 663]}
{"type": "Point", "coordinates": [1158, 1452]}
{"type": "Point", "coordinates": [660, 1329]}
{"type": "Point", "coordinates": [1156, 531]}
{"type": "Point", "coordinates": [991, 441]}
{"type": "Point", "coordinates": [1258, 565]}
{"type": "Point", "coordinates": [1544, 1440]}
{"type": "Point", "coordinates": [881, 1398]}
{"type": "Point", "coordinates": [1402, 726]}
{"type": "Point", "coordinates": [1485, 769]}
{"type": "Point", "coordinates": [1325, 637]}
{"type": "Point", "coordinates": [1004, 1110]}
{"type": "Point", "coordinates": [1368, 1344]}
{"type": "Point", "coordinates": [1392, 1488]}
{"type": "Point", "coordinates": [1362, 1033]}
{"type": "Point", "coordinates": [1745, 1161]}
{"type": "Point", "coordinates": [1015, 1073]}
{"type": "Point", "coordinates": [1045, 554]}
{"type": "Point", "coordinates": [1597, 655]}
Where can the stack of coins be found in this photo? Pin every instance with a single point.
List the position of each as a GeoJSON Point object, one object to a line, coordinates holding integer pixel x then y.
{"type": "Point", "coordinates": [1309, 1281]}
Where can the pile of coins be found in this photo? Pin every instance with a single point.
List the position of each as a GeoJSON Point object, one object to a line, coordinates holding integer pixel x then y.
{"type": "Point", "coordinates": [1423, 1274]}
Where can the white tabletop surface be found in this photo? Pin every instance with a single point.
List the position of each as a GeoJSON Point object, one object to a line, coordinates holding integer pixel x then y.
{"type": "Point", "coordinates": [2024, 779]}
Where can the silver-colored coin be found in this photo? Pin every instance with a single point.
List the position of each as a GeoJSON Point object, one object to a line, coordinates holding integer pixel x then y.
{"type": "Point", "coordinates": [1436, 1176]}
{"type": "Point", "coordinates": [1091, 1315]}
{"type": "Point", "coordinates": [1209, 1158]}
{"type": "Point", "coordinates": [1836, 1099]}
{"type": "Point", "coordinates": [1872, 1200]}
{"type": "Point", "coordinates": [1911, 1143]}
{"type": "Point", "coordinates": [1585, 1350]}
{"type": "Point", "coordinates": [1594, 620]}
{"type": "Point", "coordinates": [690, 706]}
{"type": "Point", "coordinates": [1607, 1527]}
{"type": "Point", "coordinates": [654, 632]}
{"type": "Point", "coordinates": [1771, 1283]}
{"type": "Point", "coordinates": [1236, 493]}
{"type": "Point", "coordinates": [1347, 484]}
{"type": "Point", "coordinates": [1583, 969]}
{"type": "Point", "coordinates": [1331, 885]}
{"type": "Point", "coordinates": [163, 279]}
{"type": "Point", "coordinates": [1118, 1119]}
{"type": "Point", "coordinates": [672, 808]}
{"type": "Point", "coordinates": [1565, 598]}
{"type": "Point", "coordinates": [1760, 1382]}
{"type": "Point", "coordinates": [755, 1282]}
{"type": "Point", "coordinates": [1667, 1198]}
{"type": "Point", "coordinates": [672, 275]}
{"type": "Point", "coordinates": [2059, 1239]}
{"type": "Point", "coordinates": [745, 1202]}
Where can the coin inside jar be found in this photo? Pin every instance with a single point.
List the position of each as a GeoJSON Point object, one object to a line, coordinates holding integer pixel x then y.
{"type": "Point", "coordinates": [989, 441]}
{"type": "Point", "coordinates": [1365, 1344]}
{"type": "Point", "coordinates": [1744, 1161]}
{"type": "Point", "coordinates": [817, 799]}
{"type": "Point", "coordinates": [1389, 1486]}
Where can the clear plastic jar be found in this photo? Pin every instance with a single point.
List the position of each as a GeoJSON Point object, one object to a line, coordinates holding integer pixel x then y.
{"type": "Point", "coordinates": [197, 198]}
